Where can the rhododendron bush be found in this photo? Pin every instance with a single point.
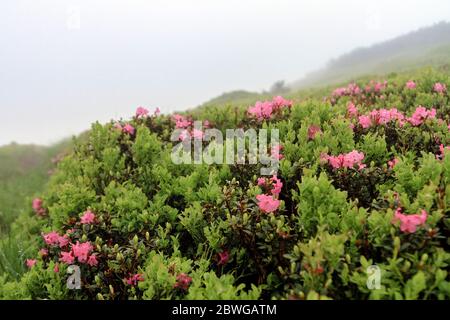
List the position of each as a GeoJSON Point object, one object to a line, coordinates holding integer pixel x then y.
{"type": "Point", "coordinates": [364, 180]}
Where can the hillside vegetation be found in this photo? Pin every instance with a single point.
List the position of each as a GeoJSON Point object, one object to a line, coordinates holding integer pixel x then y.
{"type": "Point", "coordinates": [363, 185]}
{"type": "Point", "coordinates": [424, 47]}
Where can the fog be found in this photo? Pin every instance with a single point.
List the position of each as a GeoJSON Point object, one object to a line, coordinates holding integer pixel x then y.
{"type": "Point", "coordinates": [65, 64]}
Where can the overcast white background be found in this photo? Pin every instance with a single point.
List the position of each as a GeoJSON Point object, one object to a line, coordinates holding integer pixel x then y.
{"type": "Point", "coordinates": [65, 64]}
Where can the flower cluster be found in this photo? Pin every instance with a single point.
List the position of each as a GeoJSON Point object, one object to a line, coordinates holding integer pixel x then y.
{"type": "Point", "coordinates": [133, 280]}
{"type": "Point", "coordinates": [188, 132]}
{"type": "Point", "coordinates": [268, 202]}
{"type": "Point", "coordinates": [88, 217]}
{"type": "Point", "coordinates": [439, 87]}
{"type": "Point", "coordinates": [420, 115]}
{"type": "Point", "coordinates": [409, 223]}
{"type": "Point", "coordinates": [410, 85]}
{"type": "Point", "coordinates": [183, 281]}
{"type": "Point", "coordinates": [266, 109]}
{"type": "Point", "coordinates": [37, 207]}
{"type": "Point", "coordinates": [384, 116]}
{"type": "Point", "coordinates": [345, 160]}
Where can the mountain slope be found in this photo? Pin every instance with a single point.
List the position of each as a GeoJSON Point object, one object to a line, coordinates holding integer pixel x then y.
{"type": "Point", "coordinates": [426, 46]}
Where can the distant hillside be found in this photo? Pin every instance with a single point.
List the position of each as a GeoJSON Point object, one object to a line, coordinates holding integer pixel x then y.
{"type": "Point", "coordinates": [24, 170]}
{"type": "Point", "coordinates": [426, 46]}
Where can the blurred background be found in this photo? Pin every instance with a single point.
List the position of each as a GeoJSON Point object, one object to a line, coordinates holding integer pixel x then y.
{"type": "Point", "coordinates": [65, 64]}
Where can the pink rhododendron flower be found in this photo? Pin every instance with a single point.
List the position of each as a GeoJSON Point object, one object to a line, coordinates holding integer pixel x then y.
{"type": "Point", "coordinates": [420, 115]}
{"type": "Point", "coordinates": [128, 128]}
{"type": "Point", "coordinates": [275, 152]}
{"type": "Point", "coordinates": [81, 251]}
{"type": "Point", "coordinates": [37, 206]}
{"type": "Point", "coordinates": [224, 256]}
{"type": "Point", "coordinates": [338, 92]}
{"type": "Point", "coordinates": [411, 84]}
{"type": "Point", "coordinates": [409, 223]}
{"type": "Point", "coordinates": [184, 135]}
{"type": "Point", "coordinates": [31, 263]}
{"type": "Point", "coordinates": [56, 268]}
{"type": "Point", "coordinates": [313, 131]}
{"type": "Point", "coordinates": [88, 217]}
{"type": "Point", "coordinates": [43, 252]}
{"type": "Point", "coordinates": [279, 102]}
{"type": "Point", "coordinates": [183, 281]}
{"type": "Point", "coordinates": [352, 110]}
{"type": "Point", "coordinates": [197, 134]}
{"type": "Point", "coordinates": [261, 110]}
{"type": "Point", "coordinates": [267, 203]}
{"type": "Point", "coordinates": [365, 121]}
{"type": "Point", "coordinates": [277, 186]}
{"type": "Point", "coordinates": [63, 241]}
{"type": "Point", "coordinates": [180, 121]}
{"type": "Point", "coordinates": [442, 151]}
{"type": "Point", "coordinates": [141, 112]}
{"type": "Point", "coordinates": [134, 279]}
{"type": "Point", "coordinates": [92, 260]}
{"type": "Point", "coordinates": [261, 181]}
{"type": "Point", "coordinates": [67, 257]}
{"type": "Point", "coordinates": [392, 163]}
{"type": "Point", "coordinates": [347, 160]}
{"type": "Point", "coordinates": [51, 238]}
{"type": "Point", "coordinates": [439, 87]}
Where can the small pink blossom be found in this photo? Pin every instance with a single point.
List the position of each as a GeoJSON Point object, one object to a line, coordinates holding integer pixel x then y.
{"type": "Point", "coordinates": [31, 263]}
{"type": "Point", "coordinates": [180, 121]}
{"type": "Point", "coordinates": [442, 151]}
{"type": "Point", "coordinates": [261, 181]}
{"type": "Point", "coordinates": [392, 163]}
{"type": "Point", "coordinates": [134, 279]}
{"type": "Point", "coordinates": [141, 112]}
{"type": "Point", "coordinates": [439, 87]}
{"type": "Point", "coordinates": [51, 238]}
{"type": "Point", "coordinates": [157, 112]}
{"type": "Point", "coordinates": [128, 128]}
{"type": "Point", "coordinates": [280, 102]}
{"type": "Point", "coordinates": [183, 281]}
{"type": "Point", "coordinates": [37, 206]}
{"type": "Point", "coordinates": [352, 110]}
{"type": "Point", "coordinates": [56, 268]}
{"type": "Point", "coordinates": [92, 260]}
{"type": "Point", "coordinates": [275, 152]}
{"type": "Point", "coordinates": [313, 130]}
{"type": "Point", "coordinates": [409, 223]}
{"type": "Point", "coordinates": [184, 135]}
{"type": "Point", "coordinates": [43, 252]}
{"type": "Point", "coordinates": [365, 121]}
{"type": "Point", "coordinates": [67, 257]}
{"type": "Point", "coordinates": [88, 217]}
{"type": "Point", "coordinates": [267, 203]}
{"type": "Point", "coordinates": [63, 241]}
{"type": "Point", "coordinates": [197, 134]}
{"type": "Point", "coordinates": [346, 160]}
{"type": "Point", "coordinates": [81, 251]}
{"type": "Point", "coordinates": [224, 256]}
{"type": "Point", "coordinates": [277, 186]}
{"type": "Point", "coordinates": [411, 84]}
{"type": "Point", "coordinates": [420, 115]}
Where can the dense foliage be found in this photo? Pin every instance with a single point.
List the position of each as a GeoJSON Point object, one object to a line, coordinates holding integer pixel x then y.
{"type": "Point", "coordinates": [364, 180]}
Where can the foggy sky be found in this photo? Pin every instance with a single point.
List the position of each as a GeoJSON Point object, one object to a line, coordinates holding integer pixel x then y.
{"type": "Point", "coordinates": [65, 64]}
